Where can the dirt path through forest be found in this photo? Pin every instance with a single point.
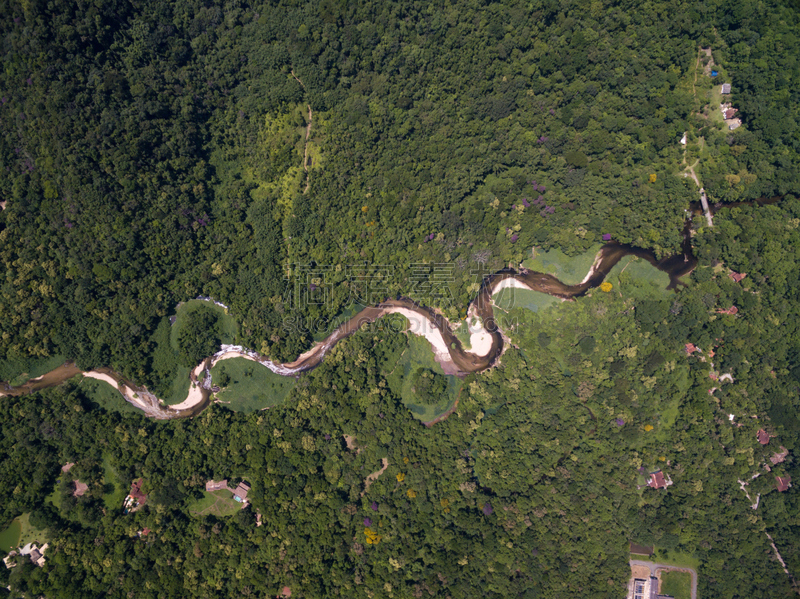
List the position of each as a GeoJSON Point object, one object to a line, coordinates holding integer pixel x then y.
{"type": "Point", "coordinates": [371, 478]}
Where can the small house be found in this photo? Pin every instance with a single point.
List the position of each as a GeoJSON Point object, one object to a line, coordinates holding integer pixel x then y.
{"type": "Point", "coordinates": [779, 457]}
{"type": "Point", "coordinates": [657, 480]}
{"type": "Point", "coordinates": [691, 348]}
{"type": "Point", "coordinates": [80, 488]}
{"type": "Point", "coordinates": [784, 482]}
{"type": "Point", "coordinates": [734, 124]}
{"type": "Point", "coordinates": [726, 88]}
{"type": "Point", "coordinates": [240, 493]}
{"type": "Point", "coordinates": [136, 491]}
{"type": "Point", "coordinates": [213, 485]}
{"type": "Point", "coordinates": [730, 113]}
{"type": "Point", "coordinates": [737, 276]}
{"type": "Point", "coordinates": [763, 437]}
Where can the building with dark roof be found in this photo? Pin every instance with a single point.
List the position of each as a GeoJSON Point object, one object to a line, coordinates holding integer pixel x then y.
{"type": "Point", "coordinates": [763, 437]}
{"type": "Point", "coordinates": [240, 493]}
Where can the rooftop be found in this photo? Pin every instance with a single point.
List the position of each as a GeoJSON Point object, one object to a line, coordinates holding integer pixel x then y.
{"type": "Point", "coordinates": [80, 488]}
{"type": "Point", "coordinates": [657, 480]}
{"type": "Point", "coordinates": [213, 485]}
{"type": "Point", "coordinates": [784, 482]}
{"type": "Point", "coordinates": [763, 437]}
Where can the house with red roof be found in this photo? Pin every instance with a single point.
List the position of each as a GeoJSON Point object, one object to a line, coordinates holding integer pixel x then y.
{"type": "Point", "coordinates": [763, 437]}
{"type": "Point", "coordinates": [657, 480]}
{"type": "Point", "coordinates": [737, 276]}
{"type": "Point", "coordinates": [784, 482]}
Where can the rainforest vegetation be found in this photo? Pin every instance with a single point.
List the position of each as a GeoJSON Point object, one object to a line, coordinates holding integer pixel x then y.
{"type": "Point", "coordinates": [297, 160]}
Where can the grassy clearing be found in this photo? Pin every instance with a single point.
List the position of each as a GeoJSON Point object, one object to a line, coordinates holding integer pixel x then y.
{"type": "Point", "coordinates": [570, 270]}
{"type": "Point", "coordinates": [249, 386]}
{"type": "Point", "coordinates": [9, 538]}
{"type": "Point", "coordinates": [419, 355]}
{"type": "Point", "coordinates": [634, 277]}
{"type": "Point", "coordinates": [512, 297]}
{"type": "Point", "coordinates": [229, 330]}
{"type": "Point", "coordinates": [21, 532]}
{"type": "Point", "coordinates": [677, 584]}
{"type": "Point", "coordinates": [674, 558]}
{"type": "Point", "coordinates": [18, 370]}
{"type": "Point", "coordinates": [179, 388]}
{"type": "Point", "coordinates": [343, 316]}
{"type": "Point", "coordinates": [215, 503]}
{"type": "Point", "coordinates": [115, 498]}
{"type": "Point", "coordinates": [106, 397]}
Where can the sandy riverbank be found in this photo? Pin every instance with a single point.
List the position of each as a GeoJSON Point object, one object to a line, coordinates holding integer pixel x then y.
{"type": "Point", "coordinates": [510, 283]}
{"type": "Point", "coordinates": [129, 393]}
{"type": "Point", "coordinates": [423, 327]}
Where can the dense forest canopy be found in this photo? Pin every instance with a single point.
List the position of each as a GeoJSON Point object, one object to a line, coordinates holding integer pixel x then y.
{"type": "Point", "coordinates": [297, 160]}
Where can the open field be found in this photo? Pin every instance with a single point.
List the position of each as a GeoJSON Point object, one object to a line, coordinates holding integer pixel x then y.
{"type": "Point", "coordinates": [21, 532]}
{"type": "Point", "coordinates": [568, 269]}
{"type": "Point", "coordinates": [215, 503]}
{"type": "Point", "coordinates": [635, 277]}
{"type": "Point", "coordinates": [17, 371]}
{"type": "Point", "coordinates": [321, 332]}
{"type": "Point", "coordinates": [419, 355]}
{"type": "Point", "coordinates": [512, 297]}
{"type": "Point", "coordinates": [676, 584]}
{"type": "Point", "coordinates": [106, 397]}
{"type": "Point", "coordinates": [229, 330]}
{"type": "Point", "coordinates": [114, 499]}
{"type": "Point", "coordinates": [179, 388]}
{"type": "Point", "coordinates": [674, 558]}
{"type": "Point", "coordinates": [249, 386]}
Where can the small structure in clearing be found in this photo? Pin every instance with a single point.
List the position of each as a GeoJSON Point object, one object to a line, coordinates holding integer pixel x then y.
{"type": "Point", "coordinates": [135, 499]}
{"type": "Point", "coordinates": [737, 276]}
{"type": "Point", "coordinates": [657, 480]}
{"type": "Point", "coordinates": [779, 457]}
{"type": "Point", "coordinates": [213, 485]}
{"type": "Point", "coordinates": [726, 88]}
{"type": "Point", "coordinates": [36, 554]}
{"type": "Point", "coordinates": [784, 482]}
{"type": "Point", "coordinates": [80, 488]}
{"type": "Point", "coordinates": [240, 492]}
{"type": "Point", "coordinates": [763, 437]}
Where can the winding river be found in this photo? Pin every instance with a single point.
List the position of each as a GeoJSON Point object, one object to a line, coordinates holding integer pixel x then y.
{"type": "Point", "coordinates": [449, 351]}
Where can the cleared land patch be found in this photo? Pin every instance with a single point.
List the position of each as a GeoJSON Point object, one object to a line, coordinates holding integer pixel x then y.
{"type": "Point", "coordinates": [247, 386]}
{"type": "Point", "coordinates": [419, 355]}
{"type": "Point", "coordinates": [106, 397]}
{"type": "Point", "coordinates": [215, 503]}
{"type": "Point", "coordinates": [676, 584]}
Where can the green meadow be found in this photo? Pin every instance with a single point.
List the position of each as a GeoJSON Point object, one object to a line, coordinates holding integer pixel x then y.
{"type": "Point", "coordinates": [247, 386]}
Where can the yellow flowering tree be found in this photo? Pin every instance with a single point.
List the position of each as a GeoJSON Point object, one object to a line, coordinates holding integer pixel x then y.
{"type": "Point", "coordinates": [373, 538]}
{"type": "Point", "coordinates": [606, 286]}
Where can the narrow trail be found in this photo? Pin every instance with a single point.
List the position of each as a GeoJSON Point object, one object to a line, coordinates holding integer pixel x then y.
{"type": "Point", "coordinates": [305, 149]}
{"type": "Point", "coordinates": [308, 135]}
